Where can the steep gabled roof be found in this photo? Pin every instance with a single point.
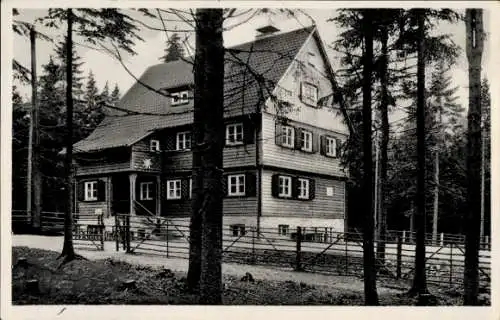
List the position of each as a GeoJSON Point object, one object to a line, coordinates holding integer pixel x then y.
{"type": "Point", "coordinates": [252, 70]}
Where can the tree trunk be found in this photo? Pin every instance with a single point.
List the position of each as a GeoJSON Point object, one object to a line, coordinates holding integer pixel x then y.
{"type": "Point", "coordinates": [209, 64]}
{"type": "Point", "coordinates": [419, 281]}
{"type": "Point", "coordinates": [195, 228]}
{"type": "Point", "coordinates": [472, 221]}
{"type": "Point", "coordinates": [371, 297]}
{"type": "Point", "coordinates": [68, 251]}
{"type": "Point", "coordinates": [435, 215]}
{"type": "Point", "coordinates": [384, 117]}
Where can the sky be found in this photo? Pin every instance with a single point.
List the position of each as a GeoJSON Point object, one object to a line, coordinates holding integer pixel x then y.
{"type": "Point", "coordinates": [107, 68]}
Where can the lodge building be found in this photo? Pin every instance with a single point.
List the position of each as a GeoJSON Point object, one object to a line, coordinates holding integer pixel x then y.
{"type": "Point", "coordinates": [282, 144]}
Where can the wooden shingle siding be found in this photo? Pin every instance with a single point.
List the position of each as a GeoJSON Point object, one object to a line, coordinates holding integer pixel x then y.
{"type": "Point", "coordinates": [103, 168]}
{"type": "Point", "coordinates": [276, 155]}
{"type": "Point", "coordinates": [103, 162]}
{"type": "Point", "coordinates": [237, 156]}
{"type": "Point", "coordinates": [322, 206]}
{"type": "Point", "coordinates": [141, 151]}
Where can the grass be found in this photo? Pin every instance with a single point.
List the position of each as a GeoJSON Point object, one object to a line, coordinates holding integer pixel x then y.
{"type": "Point", "coordinates": [102, 282]}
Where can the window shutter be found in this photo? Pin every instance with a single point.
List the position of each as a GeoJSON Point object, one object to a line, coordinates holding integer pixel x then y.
{"type": "Point", "coordinates": [275, 185]}
{"type": "Point", "coordinates": [101, 190]}
{"type": "Point", "coordinates": [81, 191]}
{"type": "Point", "coordinates": [250, 184]}
{"type": "Point", "coordinates": [170, 142]}
{"type": "Point", "coordinates": [298, 138]}
{"type": "Point", "coordinates": [323, 145]}
{"type": "Point", "coordinates": [312, 189]}
{"type": "Point", "coordinates": [295, 187]}
{"type": "Point", "coordinates": [301, 94]}
{"type": "Point", "coordinates": [185, 189]}
{"type": "Point", "coordinates": [248, 131]}
{"type": "Point", "coordinates": [314, 142]}
{"type": "Point", "coordinates": [338, 145]}
{"type": "Point", "coordinates": [225, 189]}
{"type": "Point", "coordinates": [278, 133]}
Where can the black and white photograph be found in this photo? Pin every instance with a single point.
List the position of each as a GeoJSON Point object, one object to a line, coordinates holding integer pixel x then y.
{"type": "Point", "coordinates": [242, 154]}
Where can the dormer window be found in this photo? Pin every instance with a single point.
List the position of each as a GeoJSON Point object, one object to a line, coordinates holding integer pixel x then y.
{"type": "Point", "coordinates": [179, 98]}
{"type": "Point", "coordinates": [154, 145]}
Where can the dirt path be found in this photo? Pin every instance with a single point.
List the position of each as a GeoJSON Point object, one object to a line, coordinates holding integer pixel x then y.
{"type": "Point", "coordinates": [175, 264]}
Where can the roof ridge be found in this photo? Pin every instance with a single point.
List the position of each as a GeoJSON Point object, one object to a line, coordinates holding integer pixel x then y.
{"type": "Point", "coordinates": [191, 57]}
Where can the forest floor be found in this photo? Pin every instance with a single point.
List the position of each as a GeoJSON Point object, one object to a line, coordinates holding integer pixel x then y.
{"type": "Point", "coordinates": [101, 280]}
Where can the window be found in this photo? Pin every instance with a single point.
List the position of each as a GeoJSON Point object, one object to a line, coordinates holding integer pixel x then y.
{"type": "Point", "coordinates": [234, 134]}
{"type": "Point", "coordinates": [303, 188]}
{"type": "Point", "coordinates": [146, 191]}
{"type": "Point", "coordinates": [283, 229]}
{"type": "Point", "coordinates": [180, 98]}
{"type": "Point", "coordinates": [306, 141]}
{"type": "Point", "coordinates": [183, 141]}
{"type": "Point", "coordinates": [287, 136]}
{"type": "Point", "coordinates": [236, 185]}
{"type": "Point", "coordinates": [309, 94]}
{"type": "Point", "coordinates": [154, 145]}
{"type": "Point", "coordinates": [285, 187]}
{"type": "Point", "coordinates": [91, 191]}
{"type": "Point", "coordinates": [331, 147]}
{"type": "Point", "coordinates": [238, 230]}
{"type": "Point", "coordinates": [173, 189]}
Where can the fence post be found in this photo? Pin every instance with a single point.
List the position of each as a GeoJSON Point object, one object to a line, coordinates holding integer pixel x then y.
{"type": "Point", "coordinates": [117, 234]}
{"type": "Point", "coordinates": [441, 240]}
{"type": "Point", "coordinates": [127, 232]}
{"type": "Point", "coordinates": [451, 263]}
{"type": "Point", "coordinates": [253, 246]}
{"type": "Point", "coordinates": [346, 261]}
{"type": "Point", "coordinates": [103, 229]}
{"type": "Point", "coordinates": [298, 256]}
{"type": "Point", "coordinates": [404, 236]}
{"type": "Point", "coordinates": [166, 235]}
{"type": "Point", "coordinates": [399, 250]}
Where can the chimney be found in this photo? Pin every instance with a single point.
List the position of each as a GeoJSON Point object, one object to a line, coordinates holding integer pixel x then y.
{"type": "Point", "coordinates": [266, 30]}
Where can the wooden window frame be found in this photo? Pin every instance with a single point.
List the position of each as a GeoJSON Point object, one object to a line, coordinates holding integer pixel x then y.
{"type": "Point", "coordinates": [329, 141]}
{"type": "Point", "coordinates": [308, 97]}
{"type": "Point", "coordinates": [301, 194]}
{"type": "Point", "coordinates": [146, 186]}
{"type": "Point", "coordinates": [91, 190]}
{"type": "Point", "coordinates": [283, 229]}
{"type": "Point", "coordinates": [175, 189]}
{"type": "Point", "coordinates": [181, 96]}
{"type": "Point", "coordinates": [281, 194]}
{"type": "Point", "coordinates": [238, 185]}
{"type": "Point", "coordinates": [154, 145]}
{"type": "Point", "coordinates": [309, 134]}
{"type": "Point", "coordinates": [287, 137]}
{"type": "Point", "coordinates": [185, 141]}
{"type": "Point", "coordinates": [235, 134]}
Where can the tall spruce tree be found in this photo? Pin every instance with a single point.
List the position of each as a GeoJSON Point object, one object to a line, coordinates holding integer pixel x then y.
{"type": "Point", "coordinates": [105, 96]}
{"type": "Point", "coordinates": [92, 25]}
{"type": "Point", "coordinates": [115, 95]}
{"type": "Point", "coordinates": [93, 113]}
{"type": "Point", "coordinates": [174, 50]}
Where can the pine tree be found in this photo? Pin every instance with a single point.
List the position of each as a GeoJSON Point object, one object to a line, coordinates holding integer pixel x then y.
{"type": "Point", "coordinates": [20, 127]}
{"type": "Point", "coordinates": [104, 96]}
{"type": "Point", "coordinates": [115, 95]}
{"type": "Point", "coordinates": [93, 113]}
{"type": "Point", "coordinates": [78, 76]}
{"type": "Point", "coordinates": [174, 50]}
{"type": "Point", "coordinates": [90, 24]}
